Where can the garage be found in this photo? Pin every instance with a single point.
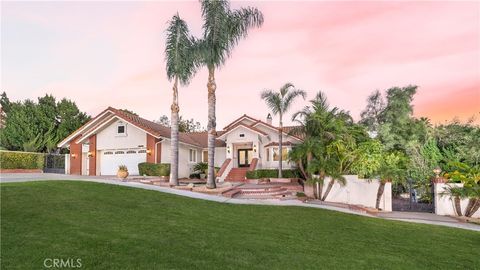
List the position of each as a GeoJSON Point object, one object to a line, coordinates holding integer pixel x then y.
{"type": "Point", "coordinates": [111, 159]}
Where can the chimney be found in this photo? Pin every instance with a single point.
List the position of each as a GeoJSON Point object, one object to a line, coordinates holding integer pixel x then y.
{"type": "Point", "coordinates": [269, 119]}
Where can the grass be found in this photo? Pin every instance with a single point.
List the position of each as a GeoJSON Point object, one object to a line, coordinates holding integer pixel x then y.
{"type": "Point", "coordinates": [114, 227]}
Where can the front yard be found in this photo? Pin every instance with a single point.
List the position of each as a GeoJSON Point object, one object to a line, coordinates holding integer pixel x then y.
{"type": "Point", "coordinates": [114, 227]}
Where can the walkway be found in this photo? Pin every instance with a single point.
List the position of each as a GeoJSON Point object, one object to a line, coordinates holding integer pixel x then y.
{"type": "Point", "coordinates": [425, 218]}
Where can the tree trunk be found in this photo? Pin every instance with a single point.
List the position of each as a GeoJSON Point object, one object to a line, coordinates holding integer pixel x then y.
{"type": "Point", "coordinates": [472, 203]}
{"type": "Point", "coordinates": [280, 146]}
{"type": "Point", "coordinates": [329, 187]}
{"type": "Point", "coordinates": [212, 123]}
{"type": "Point", "coordinates": [174, 136]}
{"type": "Point", "coordinates": [302, 169]}
{"type": "Point", "coordinates": [458, 206]}
{"type": "Point", "coordinates": [475, 207]}
{"type": "Point", "coordinates": [381, 188]}
{"type": "Point", "coordinates": [468, 209]}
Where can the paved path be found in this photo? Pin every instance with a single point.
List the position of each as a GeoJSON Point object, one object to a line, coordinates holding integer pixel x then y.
{"type": "Point", "coordinates": [425, 218]}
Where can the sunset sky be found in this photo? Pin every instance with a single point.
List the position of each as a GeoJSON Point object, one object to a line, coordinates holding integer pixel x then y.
{"type": "Point", "coordinates": [103, 54]}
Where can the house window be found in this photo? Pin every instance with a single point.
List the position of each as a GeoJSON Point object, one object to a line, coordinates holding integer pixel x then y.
{"type": "Point", "coordinates": [284, 153]}
{"type": "Point", "coordinates": [268, 154]}
{"type": "Point", "coordinates": [119, 152]}
{"type": "Point", "coordinates": [193, 155]}
{"type": "Point", "coordinates": [142, 151]}
{"type": "Point", "coordinates": [205, 156]}
{"type": "Point", "coordinates": [121, 129]}
{"type": "Point", "coordinates": [242, 135]}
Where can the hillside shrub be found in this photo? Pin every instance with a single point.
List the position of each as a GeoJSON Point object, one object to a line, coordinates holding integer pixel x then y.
{"type": "Point", "coordinates": [272, 173]}
{"type": "Point", "coordinates": [154, 169]}
{"type": "Point", "coordinates": [21, 160]}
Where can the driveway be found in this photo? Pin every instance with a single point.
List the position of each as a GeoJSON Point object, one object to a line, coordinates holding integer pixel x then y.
{"type": "Point", "coordinates": [425, 218]}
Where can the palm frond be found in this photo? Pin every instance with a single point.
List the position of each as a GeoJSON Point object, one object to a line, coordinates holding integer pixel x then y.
{"type": "Point", "coordinates": [179, 51]}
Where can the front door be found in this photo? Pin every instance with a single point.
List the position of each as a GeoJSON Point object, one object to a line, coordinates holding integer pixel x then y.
{"type": "Point", "coordinates": [244, 157]}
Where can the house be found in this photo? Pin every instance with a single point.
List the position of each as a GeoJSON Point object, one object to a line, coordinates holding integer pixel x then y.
{"type": "Point", "coordinates": [115, 137]}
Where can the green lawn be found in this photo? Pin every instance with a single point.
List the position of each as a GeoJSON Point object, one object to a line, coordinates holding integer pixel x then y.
{"type": "Point", "coordinates": [113, 227]}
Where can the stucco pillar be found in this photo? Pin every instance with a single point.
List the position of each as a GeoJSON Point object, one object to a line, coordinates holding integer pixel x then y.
{"type": "Point", "coordinates": [92, 155]}
{"type": "Point", "coordinates": [154, 149]}
{"type": "Point", "coordinates": [75, 157]}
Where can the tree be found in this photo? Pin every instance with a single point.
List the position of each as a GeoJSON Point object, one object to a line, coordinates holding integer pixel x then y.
{"type": "Point", "coordinates": [181, 67]}
{"type": "Point", "coordinates": [223, 29]}
{"type": "Point", "coordinates": [370, 117]}
{"type": "Point", "coordinates": [469, 176]}
{"type": "Point", "coordinates": [184, 125]}
{"type": "Point", "coordinates": [31, 126]}
{"type": "Point", "coordinates": [279, 103]}
{"type": "Point", "coordinates": [391, 169]}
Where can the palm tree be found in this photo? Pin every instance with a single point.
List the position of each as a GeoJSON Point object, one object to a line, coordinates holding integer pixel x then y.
{"type": "Point", "coordinates": [279, 103]}
{"type": "Point", "coordinates": [181, 67]}
{"type": "Point", "coordinates": [223, 29]}
{"type": "Point", "coordinates": [391, 169]}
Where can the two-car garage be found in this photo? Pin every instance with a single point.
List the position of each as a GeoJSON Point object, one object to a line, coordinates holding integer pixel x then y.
{"type": "Point", "coordinates": [111, 159]}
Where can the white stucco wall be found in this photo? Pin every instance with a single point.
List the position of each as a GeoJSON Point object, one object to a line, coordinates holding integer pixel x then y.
{"type": "Point", "coordinates": [444, 204]}
{"type": "Point", "coordinates": [185, 167]}
{"type": "Point", "coordinates": [360, 192]}
{"type": "Point", "coordinates": [108, 138]}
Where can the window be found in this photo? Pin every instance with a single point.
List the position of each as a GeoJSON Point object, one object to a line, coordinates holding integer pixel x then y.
{"type": "Point", "coordinates": [121, 129]}
{"type": "Point", "coordinates": [108, 153]}
{"type": "Point", "coordinates": [131, 152]}
{"type": "Point", "coordinates": [268, 154]}
{"type": "Point", "coordinates": [242, 135]}
{"type": "Point", "coordinates": [284, 153]}
{"type": "Point", "coordinates": [119, 152]}
{"type": "Point", "coordinates": [193, 155]}
{"type": "Point", "coordinates": [205, 156]}
{"type": "Point", "coordinates": [142, 151]}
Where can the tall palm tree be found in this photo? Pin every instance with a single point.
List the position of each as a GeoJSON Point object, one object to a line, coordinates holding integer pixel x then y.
{"type": "Point", "coordinates": [181, 67]}
{"type": "Point", "coordinates": [223, 29]}
{"type": "Point", "coordinates": [279, 103]}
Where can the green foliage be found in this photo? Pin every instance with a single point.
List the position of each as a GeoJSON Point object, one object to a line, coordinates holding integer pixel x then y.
{"type": "Point", "coordinates": [369, 159]}
{"type": "Point", "coordinates": [201, 167]}
{"type": "Point", "coordinates": [272, 173]}
{"type": "Point", "coordinates": [179, 51]}
{"type": "Point", "coordinates": [21, 160]}
{"type": "Point", "coordinates": [40, 126]}
{"type": "Point", "coordinates": [154, 169]}
{"type": "Point", "coordinates": [393, 167]}
{"type": "Point", "coordinates": [123, 168]}
{"type": "Point", "coordinates": [184, 125]}
{"type": "Point", "coordinates": [223, 29]}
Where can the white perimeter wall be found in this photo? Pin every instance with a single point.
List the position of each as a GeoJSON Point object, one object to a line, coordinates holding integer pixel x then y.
{"type": "Point", "coordinates": [360, 192]}
{"type": "Point", "coordinates": [444, 204]}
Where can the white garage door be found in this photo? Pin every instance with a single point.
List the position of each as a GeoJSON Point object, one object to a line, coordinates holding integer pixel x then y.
{"type": "Point", "coordinates": [111, 159]}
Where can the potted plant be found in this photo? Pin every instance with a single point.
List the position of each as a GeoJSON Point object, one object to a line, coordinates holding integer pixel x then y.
{"type": "Point", "coordinates": [122, 172]}
{"type": "Point", "coordinates": [201, 168]}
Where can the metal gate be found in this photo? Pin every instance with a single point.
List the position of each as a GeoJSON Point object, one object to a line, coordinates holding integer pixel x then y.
{"type": "Point", "coordinates": [54, 163]}
{"type": "Point", "coordinates": [413, 202]}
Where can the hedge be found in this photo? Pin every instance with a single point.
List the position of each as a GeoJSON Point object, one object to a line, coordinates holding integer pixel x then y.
{"type": "Point", "coordinates": [272, 173]}
{"type": "Point", "coordinates": [21, 160]}
{"type": "Point", "coordinates": [154, 169]}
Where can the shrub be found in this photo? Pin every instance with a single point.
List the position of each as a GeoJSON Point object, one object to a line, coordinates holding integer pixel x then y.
{"type": "Point", "coordinates": [154, 169]}
{"type": "Point", "coordinates": [194, 176]}
{"type": "Point", "coordinates": [272, 173]}
{"type": "Point", "coordinates": [201, 167]}
{"type": "Point", "coordinates": [123, 168]}
{"type": "Point", "coordinates": [21, 160]}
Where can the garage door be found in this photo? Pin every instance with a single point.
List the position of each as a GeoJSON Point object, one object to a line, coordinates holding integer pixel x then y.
{"type": "Point", "coordinates": [111, 159]}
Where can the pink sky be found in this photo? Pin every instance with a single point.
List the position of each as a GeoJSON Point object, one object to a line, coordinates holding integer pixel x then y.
{"type": "Point", "coordinates": [103, 54]}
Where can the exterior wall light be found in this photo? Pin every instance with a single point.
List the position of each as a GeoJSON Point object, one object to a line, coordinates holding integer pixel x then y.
{"type": "Point", "coordinates": [90, 154]}
{"type": "Point", "coordinates": [228, 149]}
{"type": "Point", "coordinates": [254, 148]}
{"type": "Point", "coordinates": [437, 172]}
{"type": "Point", "coordinates": [74, 155]}
{"type": "Point", "coordinates": [149, 151]}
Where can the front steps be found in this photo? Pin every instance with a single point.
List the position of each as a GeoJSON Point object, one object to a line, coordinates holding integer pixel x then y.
{"type": "Point", "coordinates": [237, 175]}
{"type": "Point", "coordinates": [249, 191]}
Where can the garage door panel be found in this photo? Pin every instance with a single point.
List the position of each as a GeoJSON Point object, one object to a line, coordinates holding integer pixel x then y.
{"type": "Point", "coordinates": [111, 159]}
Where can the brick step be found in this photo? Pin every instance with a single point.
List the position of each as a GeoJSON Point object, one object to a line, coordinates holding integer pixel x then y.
{"type": "Point", "coordinates": [266, 192]}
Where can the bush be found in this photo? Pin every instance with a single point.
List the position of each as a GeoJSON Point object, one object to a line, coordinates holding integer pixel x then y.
{"type": "Point", "coordinates": [154, 169]}
{"type": "Point", "coordinates": [194, 176]}
{"type": "Point", "coordinates": [272, 173]}
{"type": "Point", "coordinates": [21, 160]}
